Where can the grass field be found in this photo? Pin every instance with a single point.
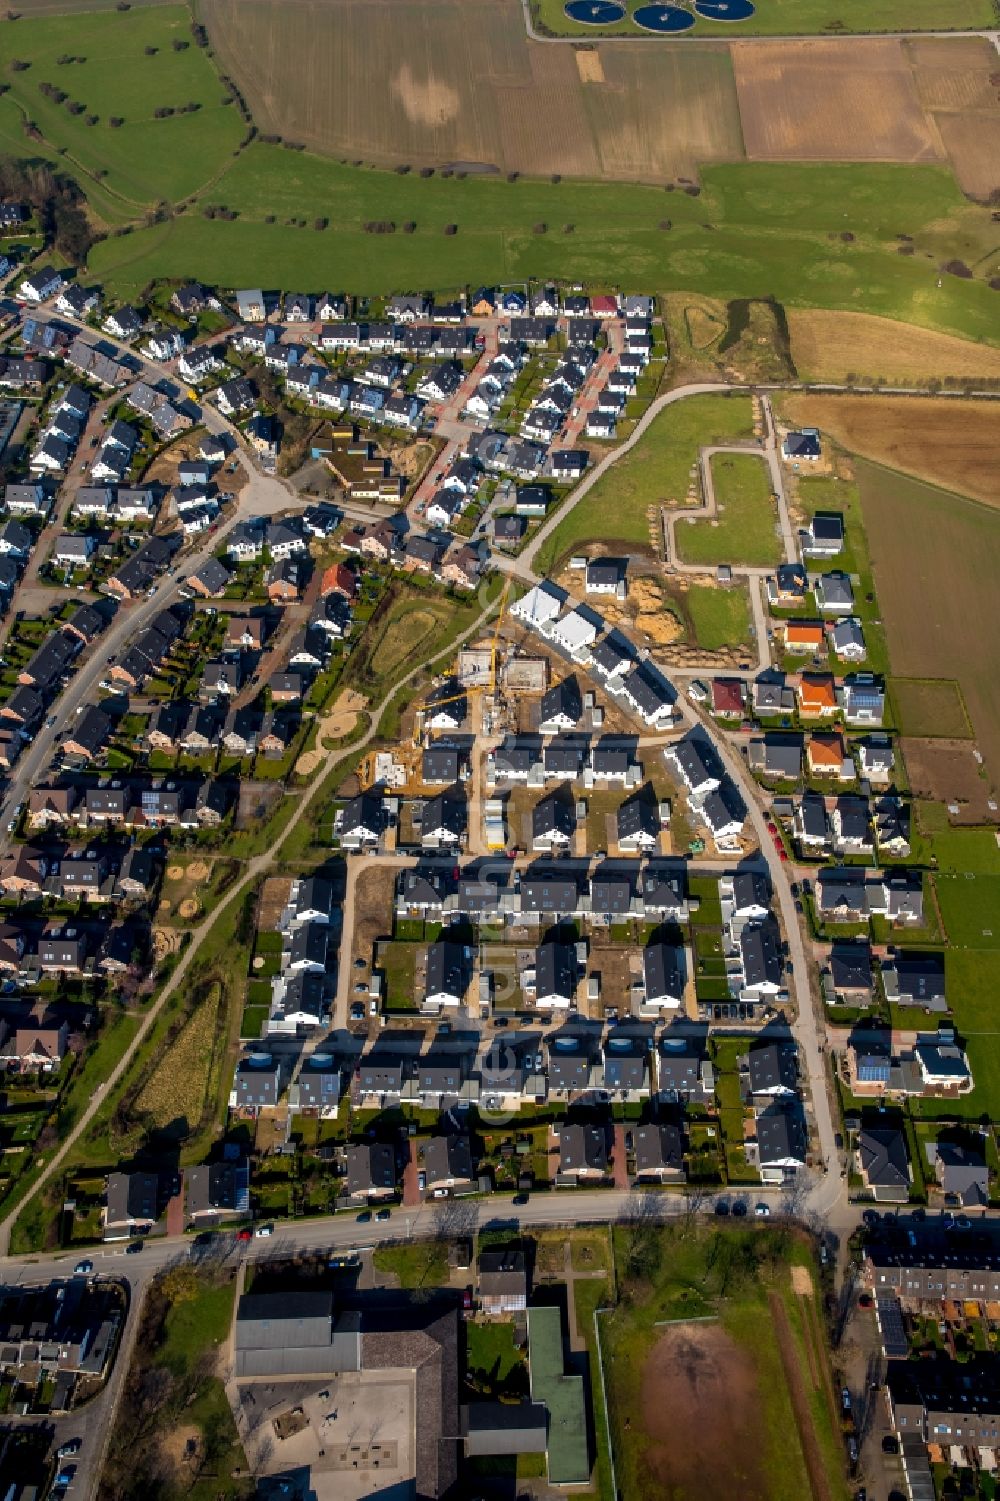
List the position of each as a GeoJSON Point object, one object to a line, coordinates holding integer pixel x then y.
{"type": "Point", "coordinates": [947, 441]}
{"type": "Point", "coordinates": [719, 617]}
{"type": "Point", "coordinates": [744, 531]}
{"type": "Point", "coordinates": [462, 83]}
{"type": "Point", "coordinates": [831, 346]}
{"type": "Point", "coordinates": [173, 1098]}
{"type": "Point", "coordinates": [776, 231]}
{"type": "Point", "coordinates": [657, 471]}
{"type": "Point", "coordinates": [794, 18]}
{"type": "Point", "coordinates": [930, 707]}
{"type": "Point", "coordinates": [144, 159]}
{"type": "Point", "coordinates": [936, 559]}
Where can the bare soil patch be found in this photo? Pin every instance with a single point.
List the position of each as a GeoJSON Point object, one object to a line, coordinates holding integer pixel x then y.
{"type": "Point", "coordinates": [829, 345]}
{"type": "Point", "coordinates": [189, 908]}
{"type": "Point", "coordinates": [589, 65]}
{"type": "Point", "coordinates": [175, 872]}
{"type": "Point", "coordinates": [373, 894]}
{"type": "Point", "coordinates": [946, 771]}
{"type": "Point", "coordinates": [198, 870]}
{"type": "Point", "coordinates": [954, 443]}
{"type": "Point", "coordinates": [273, 900]}
{"type": "Point", "coordinates": [829, 101]}
{"type": "Point", "coordinates": [165, 941]}
{"type": "Point", "coordinates": [701, 1414]}
{"type": "Point", "coordinates": [802, 1282]}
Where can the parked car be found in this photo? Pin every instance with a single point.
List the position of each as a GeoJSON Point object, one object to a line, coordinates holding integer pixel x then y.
{"type": "Point", "coordinates": [83, 1268]}
{"type": "Point", "coordinates": [383, 1214]}
{"type": "Point", "coordinates": [762, 1211]}
{"type": "Point", "coordinates": [364, 1216]}
{"type": "Point", "coordinates": [421, 1180]}
{"type": "Point", "coordinates": [263, 1231]}
{"type": "Point", "coordinates": [71, 1447]}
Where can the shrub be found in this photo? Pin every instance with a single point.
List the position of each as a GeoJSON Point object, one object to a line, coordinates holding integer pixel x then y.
{"type": "Point", "coordinates": [451, 229]}
{"type": "Point", "coordinates": [957, 268]}
{"type": "Point", "coordinates": [115, 121]}
{"type": "Point", "coordinates": [409, 227]}
{"type": "Point", "coordinates": [179, 45]}
{"type": "Point", "coordinates": [427, 171]}
{"type": "Point", "coordinates": [320, 223]}
{"type": "Point", "coordinates": [540, 228]}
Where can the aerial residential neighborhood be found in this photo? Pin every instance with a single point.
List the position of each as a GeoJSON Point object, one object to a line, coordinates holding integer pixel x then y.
{"type": "Point", "coordinates": [499, 828]}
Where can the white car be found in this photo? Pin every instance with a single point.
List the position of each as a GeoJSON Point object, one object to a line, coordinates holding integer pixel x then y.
{"type": "Point", "coordinates": [762, 1211]}
{"type": "Point", "coordinates": [263, 1231]}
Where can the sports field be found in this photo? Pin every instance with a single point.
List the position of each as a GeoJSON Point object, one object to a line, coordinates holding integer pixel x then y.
{"type": "Point", "coordinates": [793, 18]}
{"type": "Point", "coordinates": [937, 558]}
{"type": "Point", "coordinates": [947, 441]}
{"type": "Point", "coordinates": [459, 82]}
{"type": "Point", "coordinates": [716, 1370]}
{"type": "Point", "coordinates": [124, 66]}
{"type": "Point", "coordinates": [835, 346]}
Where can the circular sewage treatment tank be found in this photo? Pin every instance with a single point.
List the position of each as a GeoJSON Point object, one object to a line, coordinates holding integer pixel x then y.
{"type": "Point", "coordinates": [724, 10]}
{"type": "Point", "coordinates": [595, 12]}
{"type": "Point", "coordinates": [664, 19]}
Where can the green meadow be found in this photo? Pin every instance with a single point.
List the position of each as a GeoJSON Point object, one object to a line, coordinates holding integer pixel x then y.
{"type": "Point", "coordinates": [120, 65]}
{"type": "Point", "coordinates": [755, 230]}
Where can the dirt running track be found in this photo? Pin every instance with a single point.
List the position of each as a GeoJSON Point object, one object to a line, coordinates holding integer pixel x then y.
{"type": "Point", "coordinates": [700, 1411]}
{"type": "Point", "coordinates": [818, 1482]}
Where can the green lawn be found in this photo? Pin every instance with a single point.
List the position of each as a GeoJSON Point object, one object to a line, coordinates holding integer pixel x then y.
{"type": "Point", "coordinates": [744, 530]}
{"type": "Point", "coordinates": [422, 1263]}
{"type": "Point", "coordinates": [655, 472]}
{"type": "Point", "coordinates": [495, 1365]}
{"type": "Point", "coordinates": [776, 233]}
{"type": "Point", "coordinates": [792, 18]}
{"type": "Point", "coordinates": [719, 617]}
{"type": "Point", "coordinates": [144, 159]}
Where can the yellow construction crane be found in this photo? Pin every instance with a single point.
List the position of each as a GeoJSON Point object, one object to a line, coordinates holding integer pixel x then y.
{"type": "Point", "coordinates": [453, 698]}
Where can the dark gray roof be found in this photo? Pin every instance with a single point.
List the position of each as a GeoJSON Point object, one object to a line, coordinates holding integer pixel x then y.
{"type": "Point", "coordinates": [370, 1166]}
{"type": "Point", "coordinates": [884, 1158]}
{"type": "Point", "coordinates": [447, 1157]}
{"type": "Point", "coordinates": [782, 1136]}
{"type": "Point", "coordinates": [447, 971]}
{"type": "Point", "coordinates": [760, 949]}
{"type": "Point", "coordinates": [772, 1065]}
{"type": "Point", "coordinates": [555, 970]}
{"type": "Point", "coordinates": [663, 971]}
{"type": "Point", "coordinates": [583, 1147]}
{"type": "Point", "coordinates": [658, 1147]}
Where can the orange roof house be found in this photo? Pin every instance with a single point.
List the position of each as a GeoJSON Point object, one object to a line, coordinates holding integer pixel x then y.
{"type": "Point", "coordinates": [825, 755]}
{"type": "Point", "coordinates": [817, 694]}
{"type": "Point", "coordinates": [339, 579]}
{"type": "Point", "coordinates": [804, 636]}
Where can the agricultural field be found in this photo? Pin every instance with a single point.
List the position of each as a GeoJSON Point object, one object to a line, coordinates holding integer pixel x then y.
{"type": "Point", "coordinates": [777, 232]}
{"type": "Point", "coordinates": [791, 18]}
{"type": "Point", "coordinates": [717, 1371]}
{"type": "Point", "coordinates": [949, 442]}
{"type": "Point", "coordinates": [121, 66]}
{"type": "Point", "coordinates": [832, 101]}
{"type": "Point", "coordinates": [936, 558]}
{"type": "Point", "coordinates": [835, 346]}
{"type": "Point", "coordinates": [463, 85]}
{"type": "Point", "coordinates": [656, 472]}
{"type": "Point", "coordinates": [744, 530]}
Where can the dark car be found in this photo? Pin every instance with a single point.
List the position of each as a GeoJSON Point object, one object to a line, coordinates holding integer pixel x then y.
{"type": "Point", "coordinates": [520, 1199]}
{"type": "Point", "coordinates": [722, 1207]}
{"type": "Point", "coordinates": [133, 1248]}
{"type": "Point", "coordinates": [739, 1209]}
{"type": "Point", "coordinates": [364, 1216]}
{"type": "Point", "coordinates": [383, 1214]}
{"type": "Point", "coordinates": [890, 1444]}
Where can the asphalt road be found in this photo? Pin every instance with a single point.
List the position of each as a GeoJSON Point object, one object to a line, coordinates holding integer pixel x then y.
{"type": "Point", "coordinates": [343, 1233]}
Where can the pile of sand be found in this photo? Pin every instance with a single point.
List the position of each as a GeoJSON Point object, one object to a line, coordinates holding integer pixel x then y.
{"type": "Point", "coordinates": [198, 871]}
